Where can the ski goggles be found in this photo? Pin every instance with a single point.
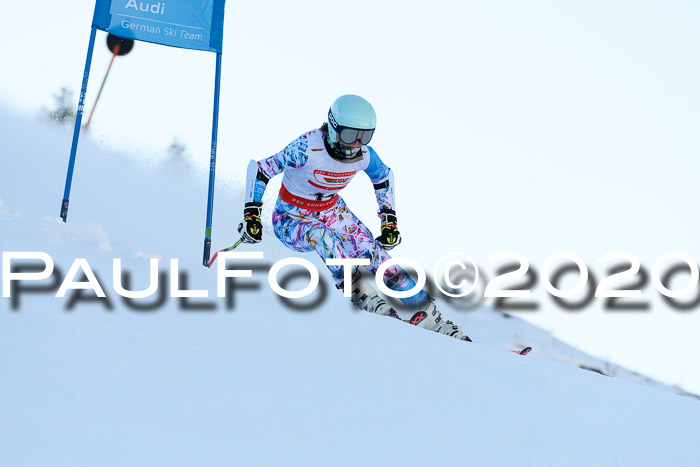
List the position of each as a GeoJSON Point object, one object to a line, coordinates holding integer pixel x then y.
{"type": "Point", "coordinates": [349, 135]}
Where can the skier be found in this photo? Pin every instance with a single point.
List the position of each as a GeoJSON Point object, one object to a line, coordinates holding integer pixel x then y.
{"type": "Point", "coordinates": [310, 215]}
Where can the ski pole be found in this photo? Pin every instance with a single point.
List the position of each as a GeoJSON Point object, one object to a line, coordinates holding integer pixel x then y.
{"type": "Point", "coordinates": [232, 247]}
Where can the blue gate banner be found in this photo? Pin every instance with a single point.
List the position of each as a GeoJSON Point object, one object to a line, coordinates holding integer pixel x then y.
{"type": "Point", "coordinates": [188, 24]}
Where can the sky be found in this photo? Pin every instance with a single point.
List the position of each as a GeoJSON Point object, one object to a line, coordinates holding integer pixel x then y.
{"type": "Point", "coordinates": [533, 128]}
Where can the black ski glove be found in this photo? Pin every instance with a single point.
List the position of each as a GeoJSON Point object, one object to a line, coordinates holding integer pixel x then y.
{"type": "Point", "coordinates": [390, 236]}
{"type": "Point", "coordinates": [251, 227]}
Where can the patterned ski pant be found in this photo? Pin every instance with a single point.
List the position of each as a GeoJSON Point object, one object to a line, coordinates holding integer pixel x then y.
{"type": "Point", "coordinates": [338, 233]}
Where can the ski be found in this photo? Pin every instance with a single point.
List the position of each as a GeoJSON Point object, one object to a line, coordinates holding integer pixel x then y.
{"type": "Point", "coordinates": [524, 351]}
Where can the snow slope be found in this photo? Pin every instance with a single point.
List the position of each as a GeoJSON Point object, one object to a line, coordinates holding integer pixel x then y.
{"type": "Point", "coordinates": [250, 380]}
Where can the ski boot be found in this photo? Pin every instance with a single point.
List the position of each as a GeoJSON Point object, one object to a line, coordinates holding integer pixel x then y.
{"type": "Point", "coordinates": [429, 317]}
{"type": "Point", "coordinates": [366, 298]}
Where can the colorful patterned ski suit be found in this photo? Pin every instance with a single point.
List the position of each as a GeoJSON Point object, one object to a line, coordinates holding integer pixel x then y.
{"type": "Point", "coordinates": [310, 216]}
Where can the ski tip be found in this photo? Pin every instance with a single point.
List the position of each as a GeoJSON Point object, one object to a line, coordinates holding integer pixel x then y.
{"type": "Point", "coordinates": [525, 351]}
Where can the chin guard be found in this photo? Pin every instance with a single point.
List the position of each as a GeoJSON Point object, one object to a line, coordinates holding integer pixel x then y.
{"type": "Point", "coordinates": [337, 154]}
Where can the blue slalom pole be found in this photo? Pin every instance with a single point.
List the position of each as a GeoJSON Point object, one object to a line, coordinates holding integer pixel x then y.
{"type": "Point", "coordinates": [212, 162]}
{"type": "Point", "coordinates": [78, 121]}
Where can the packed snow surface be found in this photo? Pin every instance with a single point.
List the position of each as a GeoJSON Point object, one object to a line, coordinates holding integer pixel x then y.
{"type": "Point", "coordinates": [253, 380]}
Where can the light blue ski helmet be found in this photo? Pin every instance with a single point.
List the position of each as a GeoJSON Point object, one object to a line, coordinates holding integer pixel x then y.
{"type": "Point", "coordinates": [348, 113]}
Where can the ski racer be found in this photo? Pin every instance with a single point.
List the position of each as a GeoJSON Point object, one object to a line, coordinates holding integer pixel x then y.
{"type": "Point", "coordinates": [310, 215]}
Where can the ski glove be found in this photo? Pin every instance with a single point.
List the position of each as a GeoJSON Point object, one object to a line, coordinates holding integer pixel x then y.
{"type": "Point", "coordinates": [390, 236]}
{"type": "Point", "coordinates": [251, 227]}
